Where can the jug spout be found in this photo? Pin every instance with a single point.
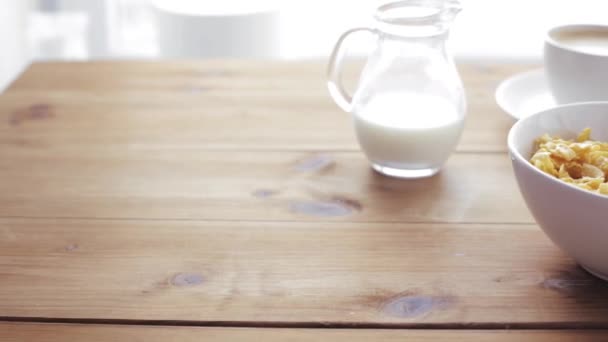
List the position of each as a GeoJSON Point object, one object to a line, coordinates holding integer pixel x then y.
{"type": "Point", "coordinates": [451, 10]}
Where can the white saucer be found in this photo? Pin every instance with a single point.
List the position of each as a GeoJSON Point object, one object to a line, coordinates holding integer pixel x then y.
{"type": "Point", "coordinates": [524, 94]}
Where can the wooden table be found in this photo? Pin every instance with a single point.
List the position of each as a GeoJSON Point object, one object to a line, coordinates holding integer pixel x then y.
{"type": "Point", "coordinates": [228, 201]}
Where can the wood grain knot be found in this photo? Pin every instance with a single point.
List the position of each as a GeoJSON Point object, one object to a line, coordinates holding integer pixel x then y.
{"type": "Point", "coordinates": [264, 193]}
{"type": "Point", "coordinates": [575, 282]}
{"type": "Point", "coordinates": [187, 279]}
{"type": "Point", "coordinates": [315, 163]}
{"type": "Point", "coordinates": [349, 202]}
{"type": "Point", "coordinates": [565, 285]}
{"type": "Point", "coordinates": [71, 247]}
{"type": "Point", "coordinates": [39, 111]}
{"type": "Point", "coordinates": [331, 208]}
{"type": "Point", "coordinates": [411, 306]}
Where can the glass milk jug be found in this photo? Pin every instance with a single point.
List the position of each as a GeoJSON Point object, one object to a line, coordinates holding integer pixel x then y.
{"type": "Point", "coordinates": [409, 105]}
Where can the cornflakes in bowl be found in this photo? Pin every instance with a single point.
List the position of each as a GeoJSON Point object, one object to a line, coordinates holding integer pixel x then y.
{"type": "Point", "coordinates": [582, 162]}
{"type": "Point", "coordinates": [560, 162]}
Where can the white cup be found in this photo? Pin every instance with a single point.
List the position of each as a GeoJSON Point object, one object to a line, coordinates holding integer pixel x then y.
{"type": "Point", "coordinates": [576, 63]}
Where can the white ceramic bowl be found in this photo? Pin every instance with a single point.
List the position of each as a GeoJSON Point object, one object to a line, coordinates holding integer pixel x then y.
{"type": "Point", "coordinates": [576, 220]}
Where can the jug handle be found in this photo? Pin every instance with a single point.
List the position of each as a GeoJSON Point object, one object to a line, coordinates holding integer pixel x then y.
{"type": "Point", "coordinates": [334, 70]}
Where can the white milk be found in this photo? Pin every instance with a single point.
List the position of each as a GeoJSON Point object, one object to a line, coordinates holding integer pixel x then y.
{"type": "Point", "coordinates": [408, 131]}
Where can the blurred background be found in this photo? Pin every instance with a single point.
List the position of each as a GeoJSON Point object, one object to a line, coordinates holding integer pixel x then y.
{"type": "Point", "coordinates": [38, 30]}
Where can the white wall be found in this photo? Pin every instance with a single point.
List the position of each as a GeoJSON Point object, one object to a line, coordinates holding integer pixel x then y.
{"type": "Point", "coordinates": [13, 56]}
{"type": "Point", "coordinates": [495, 29]}
{"type": "Point", "coordinates": [97, 26]}
{"type": "Point", "coordinates": [486, 29]}
{"type": "Point", "coordinates": [515, 29]}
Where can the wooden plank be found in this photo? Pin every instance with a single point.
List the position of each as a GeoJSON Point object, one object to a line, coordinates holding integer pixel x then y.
{"type": "Point", "coordinates": [208, 105]}
{"type": "Point", "coordinates": [216, 185]}
{"type": "Point", "coordinates": [400, 275]}
{"type": "Point", "coordinates": [100, 333]}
